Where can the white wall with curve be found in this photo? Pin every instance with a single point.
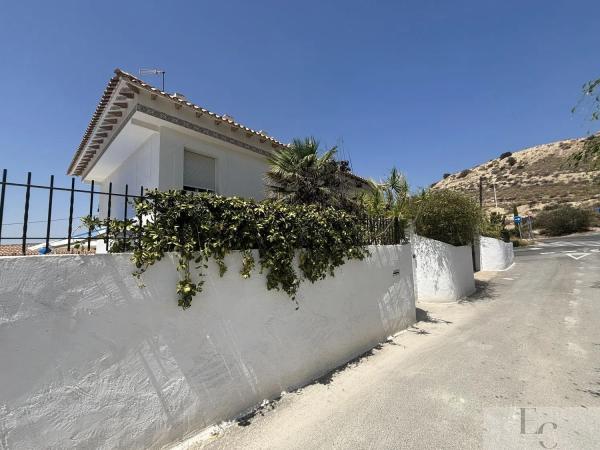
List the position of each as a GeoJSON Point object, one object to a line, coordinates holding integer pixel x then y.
{"type": "Point", "coordinates": [91, 360]}
{"type": "Point", "coordinates": [495, 254]}
{"type": "Point", "coordinates": [444, 272]}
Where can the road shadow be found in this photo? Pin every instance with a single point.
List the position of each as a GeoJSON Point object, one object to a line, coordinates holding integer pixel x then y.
{"type": "Point", "coordinates": [424, 316]}
{"type": "Point", "coordinates": [328, 377]}
{"type": "Point", "coordinates": [261, 410]}
{"type": "Point", "coordinates": [594, 391]}
{"type": "Point", "coordinates": [484, 291]}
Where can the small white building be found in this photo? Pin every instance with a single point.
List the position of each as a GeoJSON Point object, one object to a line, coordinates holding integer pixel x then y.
{"type": "Point", "coordinates": [143, 137]}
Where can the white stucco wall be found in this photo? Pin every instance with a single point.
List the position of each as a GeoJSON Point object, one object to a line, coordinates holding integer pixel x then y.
{"type": "Point", "coordinates": [90, 360]}
{"type": "Point", "coordinates": [158, 163]}
{"type": "Point", "coordinates": [140, 169]}
{"type": "Point", "coordinates": [495, 254]}
{"type": "Point", "coordinates": [444, 272]}
{"type": "Point", "coordinates": [239, 172]}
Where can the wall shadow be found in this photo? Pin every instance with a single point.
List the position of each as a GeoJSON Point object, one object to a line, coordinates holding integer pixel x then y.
{"type": "Point", "coordinates": [484, 291]}
{"type": "Point", "coordinates": [424, 316]}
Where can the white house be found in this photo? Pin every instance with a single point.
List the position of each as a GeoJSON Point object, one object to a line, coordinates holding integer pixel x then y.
{"type": "Point", "coordinates": [141, 136]}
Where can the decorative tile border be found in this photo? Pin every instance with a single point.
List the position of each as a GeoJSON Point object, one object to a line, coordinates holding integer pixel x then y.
{"type": "Point", "coordinates": [192, 126]}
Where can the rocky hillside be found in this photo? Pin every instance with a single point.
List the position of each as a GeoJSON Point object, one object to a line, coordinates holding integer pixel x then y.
{"type": "Point", "coordinates": [559, 172]}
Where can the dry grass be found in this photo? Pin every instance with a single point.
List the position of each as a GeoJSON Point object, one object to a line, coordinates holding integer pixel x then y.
{"type": "Point", "coordinates": [542, 175]}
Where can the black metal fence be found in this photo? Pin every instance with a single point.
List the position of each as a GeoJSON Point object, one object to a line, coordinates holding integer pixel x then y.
{"type": "Point", "coordinates": [384, 230]}
{"type": "Point", "coordinates": [83, 201]}
{"type": "Point", "coordinates": [88, 200]}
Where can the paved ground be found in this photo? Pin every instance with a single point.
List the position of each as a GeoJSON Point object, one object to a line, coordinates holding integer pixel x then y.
{"type": "Point", "coordinates": [529, 337]}
{"type": "Point", "coordinates": [551, 246]}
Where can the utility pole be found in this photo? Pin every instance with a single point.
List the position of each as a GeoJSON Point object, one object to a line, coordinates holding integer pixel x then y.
{"type": "Point", "coordinates": [481, 192]}
{"type": "Point", "coordinates": [495, 198]}
{"type": "Point", "coordinates": [520, 233]}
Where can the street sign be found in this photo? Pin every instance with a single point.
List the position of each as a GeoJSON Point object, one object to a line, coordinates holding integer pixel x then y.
{"type": "Point", "coordinates": [517, 220]}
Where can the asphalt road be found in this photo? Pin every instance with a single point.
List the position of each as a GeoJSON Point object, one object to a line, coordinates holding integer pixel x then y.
{"type": "Point", "coordinates": [529, 338]}
{"type": "Point", "coordinates": [552, 246]}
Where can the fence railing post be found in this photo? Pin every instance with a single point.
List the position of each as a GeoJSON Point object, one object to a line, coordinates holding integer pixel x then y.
{"type": "Point", "coordinates": [2, 194]}
{"type": "Point", "coordinates": [49, 221]}
{"type": "Point", "coordinates": [71, 201]}
{"type": "Point", "coordinates": [139, 217]}
{"type": "Point", "coordinates": [89, 238]}
{"type": "Point", "coordinates": [108, 214]}
{"type": "Point", "coordinates": [26, 215]}
{"type": "Point", "coordinates": [125, 217]}
{"type": "Point", "coordinates": [396, 230]}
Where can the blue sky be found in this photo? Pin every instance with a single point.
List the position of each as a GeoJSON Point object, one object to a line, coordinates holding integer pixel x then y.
{"type": "Point", "coordinates": [428, 86]}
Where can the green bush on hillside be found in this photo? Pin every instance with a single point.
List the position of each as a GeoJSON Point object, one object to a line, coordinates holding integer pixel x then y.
{"type": "Point", "coordinates": [562, 220]}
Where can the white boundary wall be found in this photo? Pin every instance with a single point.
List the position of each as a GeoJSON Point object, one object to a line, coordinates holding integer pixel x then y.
{"type": "Point", "coordinates": [444, 272]}
{"type": "Point", "coordinates": [495, 254]}
{"type": "Point", "coordinates": [91, 360]}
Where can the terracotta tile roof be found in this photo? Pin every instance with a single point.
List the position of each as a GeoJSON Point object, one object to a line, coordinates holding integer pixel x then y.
{"type": "Point", "coordinates": [110, 90]}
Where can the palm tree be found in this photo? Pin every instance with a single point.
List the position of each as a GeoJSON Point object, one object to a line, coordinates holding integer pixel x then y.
{"type": "Point", "coordinates": [388, 198]}
{"type": "Point", "coordinates": [301, 174]}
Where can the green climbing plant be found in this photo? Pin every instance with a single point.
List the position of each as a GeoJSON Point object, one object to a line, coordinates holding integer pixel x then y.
{"type": "Point", "coordinates": [294, 242]}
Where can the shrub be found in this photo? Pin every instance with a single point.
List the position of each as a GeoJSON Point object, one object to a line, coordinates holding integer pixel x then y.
{"type": "Point", "coordinates": [589, 154]}
{"type": "Point", "coordinates": [505, 155]}
{"type": "Point", "coordinates": [446, 175]}
{"type": "Point", "coordinates": [520, 243]}
{"type": "Point", "coordinates": [511, 161]}
{"type": "Point", "coordinates": [198, 227]}
{"type": "Point", "coordinates": [562, 220]}
{"type": "Point", "coordinates": [446, 216]}
{"type": "Point", "coordinates": [464, 173]}
{"type": "Point", "coordinates": [595, 219]}
{"type": "Point", "coordinates": [493, 226]}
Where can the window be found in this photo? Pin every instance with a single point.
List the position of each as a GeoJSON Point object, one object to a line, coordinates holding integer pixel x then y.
{"type": "Point", "coordinates": [198, 172]}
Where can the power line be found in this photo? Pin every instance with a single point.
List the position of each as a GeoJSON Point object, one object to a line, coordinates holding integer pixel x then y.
{"type": "Point", "coordinates": [41, 221]}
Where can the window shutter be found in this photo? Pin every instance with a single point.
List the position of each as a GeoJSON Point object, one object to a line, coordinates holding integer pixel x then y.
{"type": "Point", "coordinates": [198, 172]}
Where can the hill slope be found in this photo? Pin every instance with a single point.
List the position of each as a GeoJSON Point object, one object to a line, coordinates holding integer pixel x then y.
{"type": "Point", "coordinates": [560, 172]}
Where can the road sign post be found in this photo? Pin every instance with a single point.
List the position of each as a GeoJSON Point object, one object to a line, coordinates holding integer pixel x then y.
{"type": "Point", "coordinates": [517, 220]}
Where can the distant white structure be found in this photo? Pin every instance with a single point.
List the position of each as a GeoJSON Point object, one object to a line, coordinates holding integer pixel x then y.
{"type": "Point", "coordinates": [444, 271]}
{"type": "Point", "coordinates": [495, 254]}
{"type": "Point", "coordinates": [141, 136]}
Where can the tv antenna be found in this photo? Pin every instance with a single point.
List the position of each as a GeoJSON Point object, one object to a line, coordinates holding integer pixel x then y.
{"type": "Point", "coordinates": [155, 72]}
